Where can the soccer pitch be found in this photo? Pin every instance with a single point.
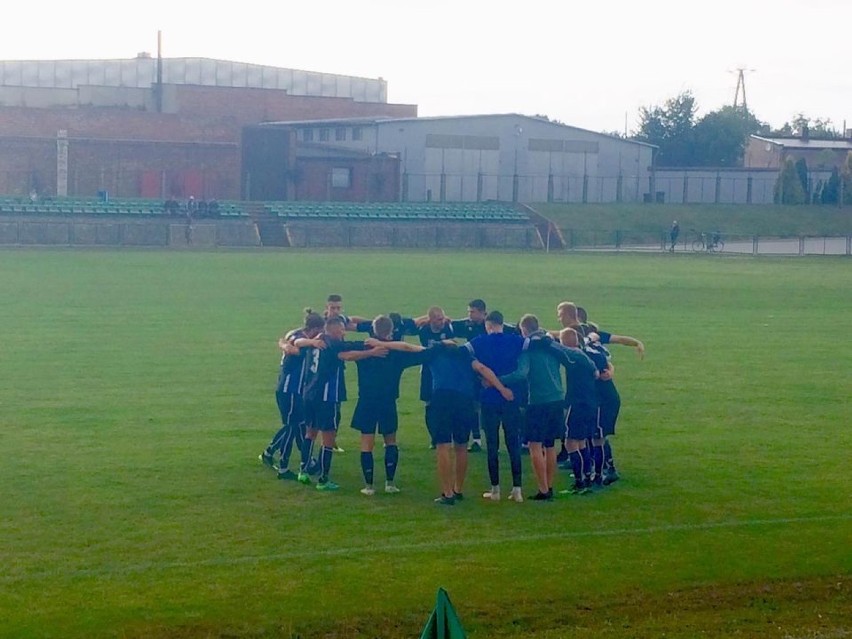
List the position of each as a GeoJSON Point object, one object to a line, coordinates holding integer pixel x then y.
{"type": "Point", "coordinates": [137, 393]}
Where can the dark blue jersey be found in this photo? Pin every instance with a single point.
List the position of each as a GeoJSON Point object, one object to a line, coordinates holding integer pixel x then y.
{"type": "Point", "coordinates": [429, 337]}
{"type": "Point", "coordinates": [451, 369]}
{"type": "Point", "coordinates": [500, 353]}
{"type": "Point", "coordinates": [324, 381]}
{"type": "Point", "coordinates": [598, 354]}
{"type": "Point", "coordinates": [292, 367]}
{"type": "Point", "coordinates": [405, 327]}
{"type": "Point", "coordinates": [579, 378]}
{"type": "Point", "coordinates": [378, 377]}
{"type": "Point", "coordinates": [467, 329]}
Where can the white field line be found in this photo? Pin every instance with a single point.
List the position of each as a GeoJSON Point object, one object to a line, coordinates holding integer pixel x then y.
{"type": "Point", "coordinates": [426, 546]}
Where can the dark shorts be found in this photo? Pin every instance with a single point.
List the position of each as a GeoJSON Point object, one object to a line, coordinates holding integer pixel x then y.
{"type": "Point", "coordinates": [322, 416]}
{"type": "Point", "coordinates": [609, 403]}
{"type": "Point", "coordinates": [375, 414]}
{"type": "Point", "coordinates": [452, 416]}
{"type": "Point", "coordinates": [582, 421]}
{"type": "Point", "coordinates": [290, 407]}
{"type": "Point", "coordinates": [545, 422]}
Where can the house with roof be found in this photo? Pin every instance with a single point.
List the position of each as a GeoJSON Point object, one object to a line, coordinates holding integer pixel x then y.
{"type": "Point", "coordinates": [771, 153]}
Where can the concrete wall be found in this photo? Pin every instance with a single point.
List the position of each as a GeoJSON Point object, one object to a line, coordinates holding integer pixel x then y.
{"type": "Point", "coordinates": [413, 235]}
{"type": "Point", "coordinates": [114, 232]}
{"type": "Point", "coordinates": [722, 185]}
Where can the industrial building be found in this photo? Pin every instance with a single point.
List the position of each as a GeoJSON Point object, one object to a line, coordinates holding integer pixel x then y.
{"type": "Point", "coordinates": [506, 157]}
{"type": "Point", "coordinates": [148, 127]}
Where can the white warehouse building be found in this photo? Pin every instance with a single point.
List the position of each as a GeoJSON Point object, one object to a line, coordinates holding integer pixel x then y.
{"type": "Point", "coordinates": [506, 157]}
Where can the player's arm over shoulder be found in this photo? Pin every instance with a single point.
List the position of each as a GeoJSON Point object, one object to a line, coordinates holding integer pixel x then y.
{"type": "Point", "coordinates": [626, 340]}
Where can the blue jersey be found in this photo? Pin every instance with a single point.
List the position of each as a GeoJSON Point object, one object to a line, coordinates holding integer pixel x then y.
{"type": "Point", "coordinates": [323, 380]}
{"type": "Point", "coordinates": [451, 369]}
{"type": "Point", "coordinates": [429, 337]}
{"type": "Point", "coordinates": [500, 353]}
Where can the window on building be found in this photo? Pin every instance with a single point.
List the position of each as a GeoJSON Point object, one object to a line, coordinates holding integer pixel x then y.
{"type": "Point", "coordinates": [356, 133]}
{"type": "Point", "coordinates": [341, 178]}
{"type": "Point", "coordinates": [308, 135]}
{"type": "Point", "coordinates": [340, 134]}
{"type": "Point", "coordinates": [324, 135]}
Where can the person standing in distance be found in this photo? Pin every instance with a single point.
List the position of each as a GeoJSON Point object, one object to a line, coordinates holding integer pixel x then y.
{"type": "Point", "coordinates": [673, 233]}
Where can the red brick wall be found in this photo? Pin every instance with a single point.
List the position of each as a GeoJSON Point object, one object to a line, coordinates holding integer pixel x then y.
{"type": "Point", "coordinates": [372, 180]}
{"type": "Point", "coordinates": [251, 106]}
{"type": "Point", "coordinates": [111, 147]}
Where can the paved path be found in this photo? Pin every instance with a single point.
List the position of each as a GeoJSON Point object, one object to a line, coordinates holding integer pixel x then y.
{"type": "Point", "coordinates": [745, 246]}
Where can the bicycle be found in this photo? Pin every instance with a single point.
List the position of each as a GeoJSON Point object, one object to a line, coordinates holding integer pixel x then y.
{"type": "Point", "coordinates": [709, 242]}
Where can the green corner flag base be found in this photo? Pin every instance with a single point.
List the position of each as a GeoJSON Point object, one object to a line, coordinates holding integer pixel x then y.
{"type": "Point", "coordinates": [443, 622]}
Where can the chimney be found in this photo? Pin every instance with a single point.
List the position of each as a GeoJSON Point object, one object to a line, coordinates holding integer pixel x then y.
{"type": "Point", "coordinates": [806, 133]}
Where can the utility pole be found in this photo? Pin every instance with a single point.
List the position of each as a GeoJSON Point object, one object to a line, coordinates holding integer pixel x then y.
{"type": "Point", "coordinates": [741, 89]}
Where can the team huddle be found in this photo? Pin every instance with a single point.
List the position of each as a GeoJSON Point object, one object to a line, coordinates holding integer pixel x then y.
{"type": "Point", "coordinates": [478, 375]}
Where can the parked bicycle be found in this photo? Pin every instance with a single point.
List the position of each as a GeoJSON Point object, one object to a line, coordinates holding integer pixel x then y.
{"type": "Point", "coordinates": [709, 242]}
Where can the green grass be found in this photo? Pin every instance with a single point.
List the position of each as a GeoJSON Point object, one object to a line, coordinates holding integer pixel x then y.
{"type": "Point", "coordinates": [654, 219]}
{"type": "Point", "coordinates": [137, 392]}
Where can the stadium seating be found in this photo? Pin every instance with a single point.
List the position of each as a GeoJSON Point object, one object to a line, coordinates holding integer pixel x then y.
{"type": "Point", "coordinates": [399, 211]}
{"type": "Point", "coordinates": [479, 212]}
{"type": "Point", "coordinates": [98, 208]}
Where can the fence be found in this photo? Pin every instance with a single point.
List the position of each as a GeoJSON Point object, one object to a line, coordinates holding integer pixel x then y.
{"type": "Point", "coordinates": [676, 186]}
{"type": "Point", "coordinates": [694, 242]}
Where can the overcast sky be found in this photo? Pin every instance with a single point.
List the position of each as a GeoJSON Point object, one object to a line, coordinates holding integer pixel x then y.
{"type": "Point", "coordinates": [585, 62]}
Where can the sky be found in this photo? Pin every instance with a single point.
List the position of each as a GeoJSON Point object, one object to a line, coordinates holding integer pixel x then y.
{"type": "Point", "coordinates": [589, 63]}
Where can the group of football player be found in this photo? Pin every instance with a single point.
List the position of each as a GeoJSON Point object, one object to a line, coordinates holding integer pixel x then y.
{"type": "Point", "coordinates": [479, 375]}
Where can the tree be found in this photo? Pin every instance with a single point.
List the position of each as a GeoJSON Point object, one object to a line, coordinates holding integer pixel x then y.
{"type": "Point", "coordinates": [831, 189]}
{"type": "Point", "coordinates": [802, 172]}
{"type": "Point", "coordinates": [670, 127]}
{"type": "Point", "coordinates": [788, 188]}
{"type": "Point", "coordinates": [720, 136]}
{"type": "Point", "coordinates": [817, 128]}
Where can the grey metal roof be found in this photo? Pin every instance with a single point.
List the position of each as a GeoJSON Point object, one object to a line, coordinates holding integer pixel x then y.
{"type": "Point", "coordinates": [799, 143]}
{"type": "Point", "coordinates": [366, 121]}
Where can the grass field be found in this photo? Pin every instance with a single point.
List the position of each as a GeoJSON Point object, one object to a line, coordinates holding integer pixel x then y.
{"type": "Point", "coordinates": [137, 392]}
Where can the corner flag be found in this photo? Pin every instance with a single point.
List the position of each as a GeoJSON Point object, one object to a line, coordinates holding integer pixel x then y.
{"type": "Point", "coordinates": [443, 622]}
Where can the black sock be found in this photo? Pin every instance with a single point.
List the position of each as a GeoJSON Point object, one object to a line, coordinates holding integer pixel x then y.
{"type": "Point", "coordinates": [607, 449]}
{"type": "Point", "coordinates": [586, 454]}
{"type": "Point", "coordinates": [325, 462]}
{"type": "Point", "coordinates": [391, 461]}
{"type": "Point", "coordinates": [367, 467]}
{"type": "Point", "coordinates": [307, 446]}
{"type": "Point", "coordinates": [598, 459]}
{"type": "Point", "coordinates": [577, 465]}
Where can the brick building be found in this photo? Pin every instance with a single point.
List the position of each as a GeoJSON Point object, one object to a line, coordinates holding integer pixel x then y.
{"type": "Point", "coordinates": [771, 153]}
{"type": "Point", "coordinates": [137, 128]}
